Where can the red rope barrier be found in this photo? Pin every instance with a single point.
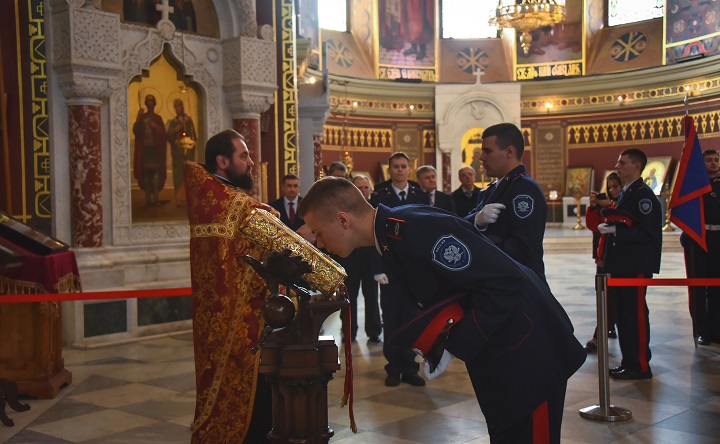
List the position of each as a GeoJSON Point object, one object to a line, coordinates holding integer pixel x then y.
{"type": "Point", "coordinates": [88, 295]}
{"type": "Point", "coordinates": [663, 282]}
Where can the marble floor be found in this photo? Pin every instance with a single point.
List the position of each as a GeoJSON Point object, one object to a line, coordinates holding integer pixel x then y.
{"type": "Point", "coordinates": [143, 392]}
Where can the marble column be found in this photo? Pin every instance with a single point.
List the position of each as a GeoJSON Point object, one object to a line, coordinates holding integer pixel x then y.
{"type": "Point", "coordinates": [85, 172]}
{"type": "Point", "coordinates": [249, 127]}
{"type": "Point", "coordinates": [446, 171]}
{"type": "Point", "coordinates": [317, 154]}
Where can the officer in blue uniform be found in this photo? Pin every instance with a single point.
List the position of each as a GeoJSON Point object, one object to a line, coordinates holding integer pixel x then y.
{"type": "Point", "coordinates": [632, 250]}
{"type": "Point", "coordinates": [495, 314]}
{"type": "Point", "coordinates": [511, 211]}
{"type": "Point", "coordinates": [705, 301]}
{"type": "Point", "coordinates": [396, 308]}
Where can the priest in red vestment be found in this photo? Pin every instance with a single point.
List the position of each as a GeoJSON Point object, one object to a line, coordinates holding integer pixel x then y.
{"type": "Point", "coordinates": [233, 403]}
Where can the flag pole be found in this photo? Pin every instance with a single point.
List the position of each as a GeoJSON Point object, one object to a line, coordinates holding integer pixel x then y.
{"type": "Point", "coordinates": [685, 102]}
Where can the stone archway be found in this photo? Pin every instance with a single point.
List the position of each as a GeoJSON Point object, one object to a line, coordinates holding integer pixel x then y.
{"type": "Point", "coordinates": [459, 109]}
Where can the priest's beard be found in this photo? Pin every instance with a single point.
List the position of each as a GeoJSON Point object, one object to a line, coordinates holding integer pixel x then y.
{"type": "Point", "coordinates": [243, 181]}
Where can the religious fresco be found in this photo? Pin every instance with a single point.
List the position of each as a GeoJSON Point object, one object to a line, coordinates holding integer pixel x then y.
{"type": "Point", "coordinates": [625, 47]}
{"type": "Point", "coordinates": [406, 39]}
{"type": "Point", "coordinates": [196, 16]}
{"type": "Point", "coordinates": [344, 56]}
{"type": "Point", "coordinates": [164, 134]}
{"type": "Point", "coordinates": [362, 25]}
{"type": "Point", "coordinates": [691, 29]}
{"type": "Point", "coordinates": [555, 51]}
{"type": "Point", "coordinates": [471, 150]}
{"type": "Point", "coordinates": [460, 59]}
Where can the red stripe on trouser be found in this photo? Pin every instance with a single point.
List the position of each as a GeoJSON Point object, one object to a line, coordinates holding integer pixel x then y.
{"type": "Point", "coordinates": [541, 424]}
{"type": "Point", "coordinates": [642, 329]}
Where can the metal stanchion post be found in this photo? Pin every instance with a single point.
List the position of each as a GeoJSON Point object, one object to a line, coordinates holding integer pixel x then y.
{"type": "Point", "coordinates": [604, 411]}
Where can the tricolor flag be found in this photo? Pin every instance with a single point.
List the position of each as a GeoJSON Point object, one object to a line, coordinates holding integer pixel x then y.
{"type": "Point", "coordinates": [686, 203]}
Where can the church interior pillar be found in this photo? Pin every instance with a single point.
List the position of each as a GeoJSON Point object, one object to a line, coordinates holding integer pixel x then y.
{"type": "Point", "coordinates": [317, 155]}
{"type": "Point", "coordinates": [85, 172]}
{"type": "Point", "coordinates": [249, 127]}
{"type": "Point", "coordinates": [446, 171]}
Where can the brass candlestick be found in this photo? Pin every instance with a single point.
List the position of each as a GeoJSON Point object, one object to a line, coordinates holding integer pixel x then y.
{"type": "Point", "coordinates": [577, 194]}
{"type": "Point", "coordinates": [667, 226]}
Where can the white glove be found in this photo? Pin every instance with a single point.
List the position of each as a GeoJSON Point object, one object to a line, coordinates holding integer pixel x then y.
{"type": "Point", "coordinates": [489, 214]}
{"type": "Point", "coordinates": [607, 229]}
{"type": "Point", "coordinates": [442, 366]}
{"type": "Point", "coordinates": [381, 279]}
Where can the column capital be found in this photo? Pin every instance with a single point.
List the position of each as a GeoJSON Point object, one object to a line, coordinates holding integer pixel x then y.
{"type": "Point", "coordinates": [314, 103]}
{"type": "Point", "coordinates": [249, 75]}
{"type": "Point", "coordinates": [86, 50]}
{"type": "Point", "coordinates": [83, 101]}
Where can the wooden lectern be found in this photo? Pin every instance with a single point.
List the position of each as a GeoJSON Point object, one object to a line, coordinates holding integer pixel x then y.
{"type": "Point", "coordinates": [296, 361]}
{"type": "Point", "coordinates": [299, 370]}
{"type": "Point", "coordinates": [31, 333]}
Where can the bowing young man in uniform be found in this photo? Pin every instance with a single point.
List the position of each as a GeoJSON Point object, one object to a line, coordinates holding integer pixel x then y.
{"type": "Point", "coordinates": [396, 309]}
{"type": "Point", "coordinates": [479, 305]}
{"type": "Point", "coordinates": [512, 210]}
{"type": "Point", "coordinates": [633, 250]}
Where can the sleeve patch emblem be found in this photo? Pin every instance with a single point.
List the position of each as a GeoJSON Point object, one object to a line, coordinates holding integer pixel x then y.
{"type": "Point", "coordinates": [451, 253]}
{"type": "Point", "coordinates": [645, 206]}
{"type": "Point", "coordinates": [523, 205]}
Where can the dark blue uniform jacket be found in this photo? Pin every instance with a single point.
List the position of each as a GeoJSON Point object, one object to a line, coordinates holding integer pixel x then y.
{"type": "Point", "coordinates": [514, 333]}
{"type": "Point", "coordinates": [636, 250]}
{"type": "Point", "coordinates": [520, 228]}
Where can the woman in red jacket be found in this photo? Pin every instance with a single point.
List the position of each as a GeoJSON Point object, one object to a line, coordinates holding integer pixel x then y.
{"type": "Point", "coordinates": [598, 201]}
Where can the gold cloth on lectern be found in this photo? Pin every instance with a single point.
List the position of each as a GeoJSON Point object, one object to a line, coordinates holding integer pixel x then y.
{"type": "Point", "coordinates": [270, 234]}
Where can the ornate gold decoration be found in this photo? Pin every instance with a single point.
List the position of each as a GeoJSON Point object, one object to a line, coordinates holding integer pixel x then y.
{"type": "Point", "coordinates": [185, 142]}
{"type": "Point", "coordinates": [287, 85]}
{"type": "Point", "coordinates": [528, 16]}
{"type": "Point", "coordinates": [38, 110]}
{"type": "Point", "coordinates": [268, 233]}
{"type": "Point", "coordinates": [661, 129]}
{"type": "Point", "coordinates": [661, 92]}
{"type": "Point", "coordinates": [347, 160]}
{"type": "Point", "coordinates": [380, 104]}
{"type": "Point", "coordinates": [357, 138]}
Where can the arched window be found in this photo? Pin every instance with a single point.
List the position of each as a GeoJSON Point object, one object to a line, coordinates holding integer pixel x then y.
{"type": "Point", "coordinates": [621, 12]}
{"type": "Point", "coordinates": [468, 19]}
{"type": "Point", "coordinates": [332, 14]}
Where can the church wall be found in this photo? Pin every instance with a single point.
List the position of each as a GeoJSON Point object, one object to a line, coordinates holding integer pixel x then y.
{"type": "Point", "coordinates": [370, 142]}
{"type": "Point", "coordinates": [12, 152]}
{"type": "Point", "coordinates": [627, 47]}
{"type": "Point", "coordinates": [596, 139]}
{"type": "Point", "coordinates": [25, 162]}
{"type": "Point", "coordinates": [134, 254]}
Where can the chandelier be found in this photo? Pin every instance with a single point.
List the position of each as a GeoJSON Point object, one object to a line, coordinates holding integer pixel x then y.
{"type": "Point", "coordinates": [527, 16]}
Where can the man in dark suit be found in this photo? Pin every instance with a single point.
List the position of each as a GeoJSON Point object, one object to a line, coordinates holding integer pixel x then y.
{"type": "Point", "coordinates": [465, 198]}
{"type": "Point", "coordinates": [397, 309]}
{"type": "Point", "coordinates": [479, 305]}
{"type": "Point", "coordinates": [427, 178]}
{"type": "Point", "coordinates": [633, 250]}
{"type": "Point", "coordinates": [288, 204]}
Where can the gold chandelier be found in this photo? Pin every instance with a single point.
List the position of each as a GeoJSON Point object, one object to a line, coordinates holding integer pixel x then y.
{"type": "Point", "coordinates": [527, 16]}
